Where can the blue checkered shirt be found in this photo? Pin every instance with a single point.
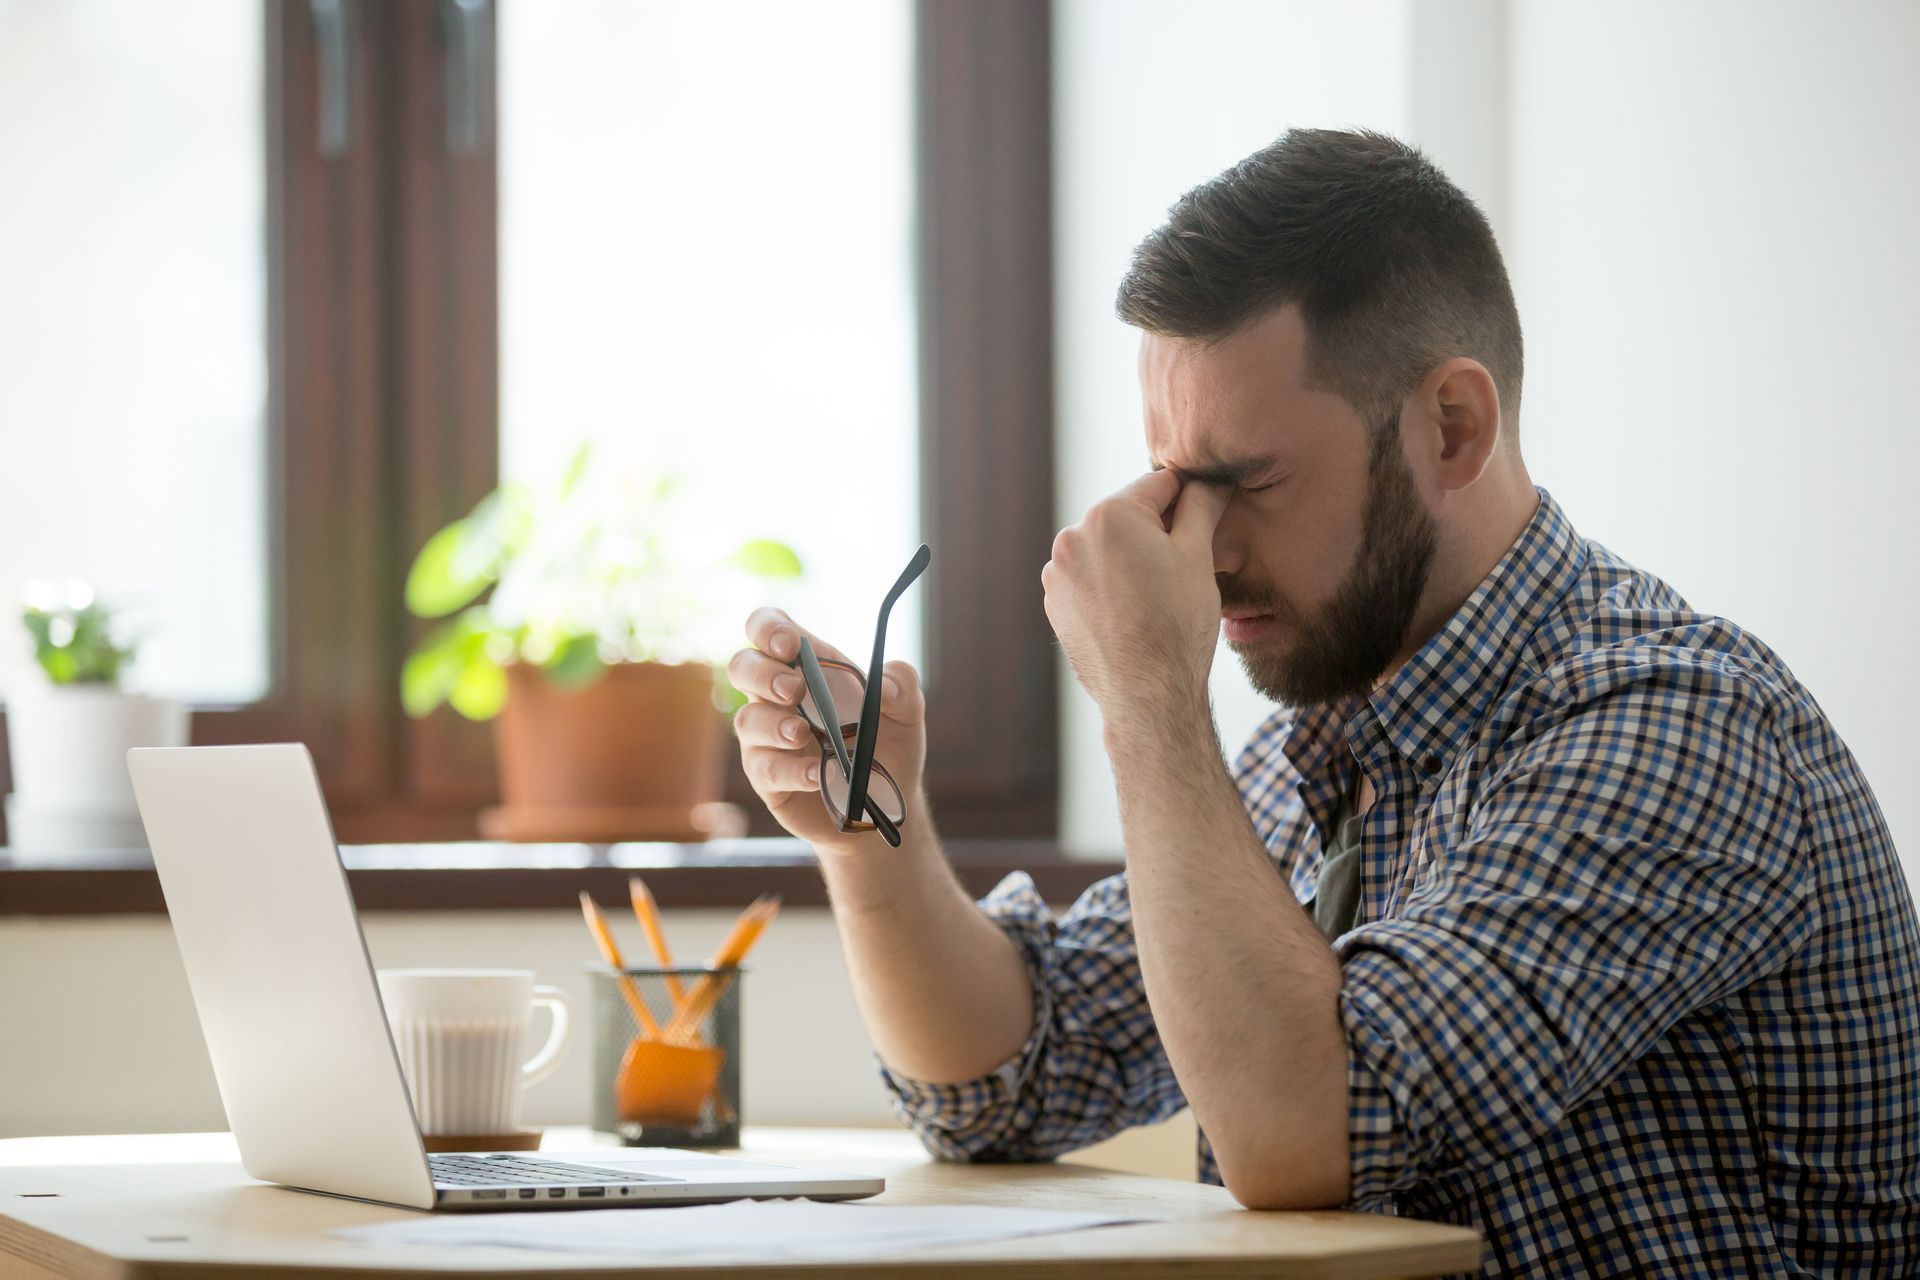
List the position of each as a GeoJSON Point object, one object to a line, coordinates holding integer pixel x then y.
{"type": "Point", "coordinates": [1634, 984]}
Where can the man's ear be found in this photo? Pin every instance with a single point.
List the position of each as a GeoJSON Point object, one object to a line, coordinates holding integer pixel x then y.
{"type": "Point", "coordinates": [1459, 413]}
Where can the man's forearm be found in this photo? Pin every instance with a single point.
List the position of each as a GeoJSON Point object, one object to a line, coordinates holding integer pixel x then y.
{"type": "Point", "coordinates": [1244, 989]}
{"type": "Point", "coordinates": [943, 991]}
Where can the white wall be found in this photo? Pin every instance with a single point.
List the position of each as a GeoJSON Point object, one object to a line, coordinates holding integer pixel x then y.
{"type": "Point", "coordinates": [1714, 245]}
{"type": "Point", "coordinates": [1708, 211]}
{"type": "Point", "coordinates": [98, 1033]}
{"type": "Point", "coordinates": [1150, 99]}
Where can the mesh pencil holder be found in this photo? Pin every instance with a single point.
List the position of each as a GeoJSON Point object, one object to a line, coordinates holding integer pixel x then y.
{"type": "Point", "coordinates": [676, 1084]}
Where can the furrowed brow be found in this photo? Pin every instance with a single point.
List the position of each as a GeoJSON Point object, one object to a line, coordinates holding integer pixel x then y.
{"type": "Point", "coordinates": [1230, 471]}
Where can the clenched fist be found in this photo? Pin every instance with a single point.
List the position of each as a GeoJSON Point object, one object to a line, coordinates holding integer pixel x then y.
{"type": "Point", "coordinates": [1131, 593]}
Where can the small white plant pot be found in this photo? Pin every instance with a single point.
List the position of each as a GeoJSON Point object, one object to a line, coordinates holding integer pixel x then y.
{"type": "Point", "coordinates": [67, 746]}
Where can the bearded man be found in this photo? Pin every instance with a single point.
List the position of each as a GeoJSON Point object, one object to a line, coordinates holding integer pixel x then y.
{"type": "Point", "coordinates": [1543, 904]}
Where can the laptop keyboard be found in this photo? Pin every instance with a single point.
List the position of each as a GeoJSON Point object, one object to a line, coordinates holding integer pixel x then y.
{"type": "Point", "coordinates": [494, 1171]}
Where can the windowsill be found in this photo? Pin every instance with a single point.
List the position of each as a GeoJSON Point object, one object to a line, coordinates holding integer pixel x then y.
{"type": "Point", "coordinates": [541, 877]}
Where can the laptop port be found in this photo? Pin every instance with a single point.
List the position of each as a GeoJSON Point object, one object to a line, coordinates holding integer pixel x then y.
{"type": "Point", "coordinates": [497, 1194]}
{"type": "Point", "coordinates": [591, 1192]}
{"type": "Point", "coordinates": [556, 1193]}
{"type": "Point", "coordinates": [528, 1193]}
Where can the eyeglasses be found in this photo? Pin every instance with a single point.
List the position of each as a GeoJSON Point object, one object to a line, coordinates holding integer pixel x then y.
{"type": "Point", "coordinates": [857, 789]}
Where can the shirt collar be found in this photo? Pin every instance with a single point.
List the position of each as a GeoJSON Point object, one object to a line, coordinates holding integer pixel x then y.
{"type": "Point", "coordinates": [1433, 704]}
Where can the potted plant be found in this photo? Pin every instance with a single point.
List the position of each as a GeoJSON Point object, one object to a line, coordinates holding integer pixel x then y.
{"type": "Point", "coordinates": [69, 726]}
{"type": "Point", "coordinates": [581, 623]}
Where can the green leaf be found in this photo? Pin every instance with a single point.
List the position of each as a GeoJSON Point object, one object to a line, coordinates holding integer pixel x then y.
{"type": "Point", "coordinates": [576, 663]}
{"type": "Point", "coordinates": [435, 667]}
{"type": "Point", "coordinates": [421, 689]}
{"type": "Point", "coordinates": [59, 665]}
{"type": "Point", "coordinates": [428, 675]}
{"type": "Point", "coordinates": [766, 558]}
{"type": "Point", "coordinates": [576, 469]}
{"type": "Point", "coordinates": [480, 690]}
{"type": "Point", "coordinates": [76, 645]}
{"type": "Point", "coordinates": [447, 575]}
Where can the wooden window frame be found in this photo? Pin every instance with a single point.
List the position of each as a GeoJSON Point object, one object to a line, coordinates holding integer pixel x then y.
{"type": "Point", "coordinates": [383, 413]}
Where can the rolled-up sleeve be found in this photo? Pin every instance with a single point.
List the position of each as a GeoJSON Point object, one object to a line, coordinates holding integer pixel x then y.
{"type": "Point", "coordinates": [1632, 858]}
{"type": "Point", "coordinates": [1093, 1063]}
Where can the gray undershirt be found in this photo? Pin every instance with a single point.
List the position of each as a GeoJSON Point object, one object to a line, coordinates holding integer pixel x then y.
{"type": "Point", "coordinates": [1336, 894]}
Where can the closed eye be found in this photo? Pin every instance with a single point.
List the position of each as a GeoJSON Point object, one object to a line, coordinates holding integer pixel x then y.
{"type": "Point", "coordinates": [1259, 488]}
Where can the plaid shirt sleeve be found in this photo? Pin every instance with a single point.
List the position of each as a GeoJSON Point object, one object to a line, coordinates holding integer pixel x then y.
{"type": "Point", "coordinates": [1630, 858]}
{"type": "Point", "coordinates": [1093, 1064]}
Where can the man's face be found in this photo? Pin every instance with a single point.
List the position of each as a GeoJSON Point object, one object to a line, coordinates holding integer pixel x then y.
{"type": "Point", "coordinates": [1325, 546]}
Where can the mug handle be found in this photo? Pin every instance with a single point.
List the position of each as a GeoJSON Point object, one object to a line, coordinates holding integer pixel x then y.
{"type": "Point", "coordinates": [559, 1036]}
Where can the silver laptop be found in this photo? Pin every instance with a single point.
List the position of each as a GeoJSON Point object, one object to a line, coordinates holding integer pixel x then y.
{"type": "Point", "coordinates": [294, 1025]}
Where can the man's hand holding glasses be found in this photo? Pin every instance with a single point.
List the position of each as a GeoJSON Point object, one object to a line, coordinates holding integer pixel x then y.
{"type": "Point", "coordinates": [838, 765]}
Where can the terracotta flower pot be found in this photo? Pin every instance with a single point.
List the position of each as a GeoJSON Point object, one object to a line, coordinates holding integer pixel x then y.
{"type": "Point", "coordinates": [637, 755]}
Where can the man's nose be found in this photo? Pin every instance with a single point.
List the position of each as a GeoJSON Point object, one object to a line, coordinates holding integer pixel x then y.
{"type": "Point", "coordinates": [1229, 549]}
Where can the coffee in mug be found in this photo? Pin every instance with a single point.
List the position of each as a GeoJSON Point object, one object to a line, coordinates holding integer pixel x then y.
{"type": "Point", "coordinates": [461, 1034]}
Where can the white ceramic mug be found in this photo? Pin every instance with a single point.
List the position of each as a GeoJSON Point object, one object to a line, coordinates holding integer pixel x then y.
{"type": "Point", "coordinates": [460, 1034]}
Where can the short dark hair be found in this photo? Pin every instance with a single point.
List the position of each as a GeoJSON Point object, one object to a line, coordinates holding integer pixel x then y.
{"type": "Point", "coordinates": [1395, 269]}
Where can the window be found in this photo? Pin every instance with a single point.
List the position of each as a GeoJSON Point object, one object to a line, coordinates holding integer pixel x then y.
{"type": "Point", "coordinates": [905, 146]}
{"type": "Point", "coordinates": [706, 268]}
{"type": "Point", "coordinates": [132, 329]}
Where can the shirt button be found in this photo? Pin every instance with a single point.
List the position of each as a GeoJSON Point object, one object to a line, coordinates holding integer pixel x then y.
{"type": "Point", "coordinates": [1430, 765]}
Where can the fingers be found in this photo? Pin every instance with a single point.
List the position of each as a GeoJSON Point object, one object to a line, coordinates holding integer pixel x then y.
{"type": "Point", "coordinates": [776, 773]}
{"type": "Point", "coordinates": [759, 676]}
{"type": "Point", "coordinates": [772, 631]}
{"type": "Point", "coordinates": [901, 696]}
{"type": "Point", "coordinates": [1152, 494]}
{"type": "Point", "coordinates": [1155, 490]}
{"type": "Point", "coordinates": [776, 747]}
{"type": "Point", "coordinates": [1189, 510]}
{"type": "Point", "coordinates": [763, 671]}
{"type": "Point", "coordinates": [767, 724]}
{"type": "Point", "coordinates": [1198, 514]}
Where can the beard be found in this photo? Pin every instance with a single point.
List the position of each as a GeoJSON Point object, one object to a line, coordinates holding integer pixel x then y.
{"type": "Point", "coordinates": [1343, 651]}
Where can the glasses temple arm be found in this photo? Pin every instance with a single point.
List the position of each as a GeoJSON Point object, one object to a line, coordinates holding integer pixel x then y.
{"type": "Point", "coordinates": [870, 707]}
{"type": "Point", "coordinates": [823, 703]}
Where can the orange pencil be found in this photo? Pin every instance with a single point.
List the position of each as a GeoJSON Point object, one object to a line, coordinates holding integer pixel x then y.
{"type": "Point", "coordinates": [597, 926]}
{"type": "Point", "coordinates": [649, 916]}
{"type": "Point", "coordinates": [739, 941]}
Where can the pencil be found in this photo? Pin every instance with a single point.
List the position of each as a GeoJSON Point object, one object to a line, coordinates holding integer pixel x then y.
{"type": "Point", "coordinates": [746, 931]}
{"type": "Point", "coordinates": [649, 916]}
{"type": "Point", "coordinates": [597, 926]}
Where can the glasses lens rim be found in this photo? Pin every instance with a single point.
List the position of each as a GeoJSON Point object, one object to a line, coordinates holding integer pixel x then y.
{"type": "Point", "coordinates": [880, 787]}
{"type": "Point", "coordinates": [811, 713]}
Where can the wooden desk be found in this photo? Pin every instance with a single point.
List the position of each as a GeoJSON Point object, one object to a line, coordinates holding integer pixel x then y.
{"type": "Point", "coordinates": [177, 1205]}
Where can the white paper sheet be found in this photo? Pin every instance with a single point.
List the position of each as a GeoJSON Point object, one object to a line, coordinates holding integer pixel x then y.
{"type": "Point", "coordinates": [763, 1229]}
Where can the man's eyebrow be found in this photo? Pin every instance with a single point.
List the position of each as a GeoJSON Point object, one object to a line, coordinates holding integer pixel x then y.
{"type": "Point", "coordinates": [1229, 471]}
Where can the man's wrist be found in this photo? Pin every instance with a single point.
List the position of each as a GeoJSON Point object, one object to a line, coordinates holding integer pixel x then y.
{"type": "Point", "coordinates": [1152, 724]}
{"type": "Point", "coordinates": [865, 874]}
